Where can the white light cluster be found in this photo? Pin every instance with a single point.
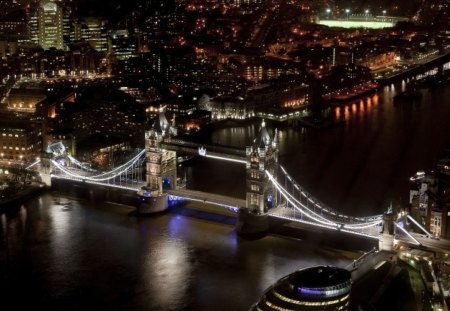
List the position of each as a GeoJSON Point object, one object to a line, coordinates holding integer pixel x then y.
{"type": "Point", "coordinates": [407, 233]}
{"type": "Point", "coordinates": [420, 226]}
{"type": "Point", "coordinates": [229, 207]}
{"type": "Point", "coordinates": [32, 164]}
{"type": "Point", "coordinates": [95, 182]}
{"type": "Point", "coordinates": [81, 165]}
{"type": "Point", "coordinates": [225, 159]}
{"type": "Point", "coordinates": [320, 220]}
{"type": "Point", "coordinates": [369, 221]}
{"type": "Point", "coordinates": [116, 172]}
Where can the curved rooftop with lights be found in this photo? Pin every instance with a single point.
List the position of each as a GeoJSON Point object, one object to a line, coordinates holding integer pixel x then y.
{"type": "Point", "coordinates": [315, 288]}
{"type": "Point", "coordinates": [49, 6]}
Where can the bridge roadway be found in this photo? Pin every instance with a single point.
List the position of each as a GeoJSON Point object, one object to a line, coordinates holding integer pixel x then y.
{"type": "Point", "coordinates": [291, 214]}
{"type": "Point", "coordinates": [118, 182]}
{"type": "Point", "coordinates": [186, 147]}
{"type": "Point", "coordinates": [427, 244]}
{"type": "Point", "coordinates": [210, 198]}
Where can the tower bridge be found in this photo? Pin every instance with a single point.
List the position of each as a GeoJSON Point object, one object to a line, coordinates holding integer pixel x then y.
{"type": "Point", "coordinates": [270, 191]}
{"type": "Point", "coordinates": [212, 151]}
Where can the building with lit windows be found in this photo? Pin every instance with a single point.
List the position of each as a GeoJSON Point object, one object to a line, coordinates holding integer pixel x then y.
{"type": "Point", "coordinates": [122, 45]}
{"type": "Point", "coordinates": [316, 288]}
{"type": "Point", "coordinates": [430, 199]}
{"type": "Point", "coordinates": [24, 99]}
{"type": "Point", "coordinates": [108, 114]}
{"type": "Point", "coordinates": [92, 30]}
{"type": "Point", "coordinates": [50, 25]}
{"type": "Point", "coordinates": [19, 142]}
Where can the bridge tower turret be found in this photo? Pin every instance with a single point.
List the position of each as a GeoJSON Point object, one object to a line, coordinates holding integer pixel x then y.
{"type": "Point", "coordinates": [51, 151]}
{"type": "Point", "coordinates": [161, 169]}
{"type": "Point", "coordinates": [45, 168]}
{"type": "Point", "coordinates": [262, 156]}
{"type": "Point", "coordinates": [386, 239]}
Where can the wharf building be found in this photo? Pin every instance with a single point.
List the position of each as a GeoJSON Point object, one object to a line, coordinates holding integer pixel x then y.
{"type": "Point", "coordinates": [20, 142]}
{"type": "Point", "coordinates": [25, 98]}
{"type": "Point", "coordinates": [316, 288]}
{"type": "Point", "coordinates": [430, 199]}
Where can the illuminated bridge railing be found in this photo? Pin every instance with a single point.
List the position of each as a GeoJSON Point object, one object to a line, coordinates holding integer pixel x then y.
{"type": "Point", "coordinates": [126, 176]}
{"type": "Point", "coordinates": [192, 148]}
{"type": "Point", "coordinates": [232, 204]}
{"type": "Point", "coordinates": [295, 204]}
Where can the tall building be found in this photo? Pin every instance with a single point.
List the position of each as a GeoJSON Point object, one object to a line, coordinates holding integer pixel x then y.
{"type": "Point", "coordinates": [50, 25]}
{"type": "Point", "coordinates": [33, 28]}
{"type": "Point", "coordinates": [94, 31]}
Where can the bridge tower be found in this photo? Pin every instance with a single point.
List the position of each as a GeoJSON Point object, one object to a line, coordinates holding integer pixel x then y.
{"type": "Point", "coordinates": [51, 151]}
{"type": "Point", "coordinates": [161, 168]}
{"type": "Point", "coordinates": [45, 168]}
{"type": "Point", "coordinates": [262, 156]}
{"type": "Point", "coordinates": [386, 239]}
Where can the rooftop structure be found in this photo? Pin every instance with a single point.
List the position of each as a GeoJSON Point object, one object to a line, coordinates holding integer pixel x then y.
{"type": "Point", "coordinates": [315, 288]}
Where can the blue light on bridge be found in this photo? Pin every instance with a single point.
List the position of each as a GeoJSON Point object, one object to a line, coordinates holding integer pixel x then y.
{"type": "Point", "coordinates": [269, 201]}
{"type": "Point", "coordinates": [146, 194]}
{"type": "Point", "coordinates": [167, 183]}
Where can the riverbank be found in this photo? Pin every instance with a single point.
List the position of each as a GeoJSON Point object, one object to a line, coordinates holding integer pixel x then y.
{"type": "Point", "coordinates": [22, 196]}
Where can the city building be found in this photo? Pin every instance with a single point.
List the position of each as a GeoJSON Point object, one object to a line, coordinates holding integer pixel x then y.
{"type": "Point", "coordinates": [430, 199]}
{"type": "Point", "coordinates": [50, 25]}
{"type": "Point", "coordinates": [92, 30]}
{"type": "Point", "coordinates": [122, 45]}
{"type": "Point", "coordinates": [25, 98]}
{"type": "Point", "coordinates": [109, 114]}
{"type": "Point", "coordinates": [317, 288]}
{"type": "Point", "coordinates": [20, 142]}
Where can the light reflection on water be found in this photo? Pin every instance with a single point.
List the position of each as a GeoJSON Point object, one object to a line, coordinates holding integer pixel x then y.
{"type": "Point", "coordinates": [358, 167]}
{"type": "Point", "coordinates": [99, 255]}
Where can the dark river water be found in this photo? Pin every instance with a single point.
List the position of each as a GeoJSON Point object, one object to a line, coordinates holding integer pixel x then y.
{"type": "Point", "coordinates": [359, 167]}
{"type": "Point", "coordinates": [90, 255]}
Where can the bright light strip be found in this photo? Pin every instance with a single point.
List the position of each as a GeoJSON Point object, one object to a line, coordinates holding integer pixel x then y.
{"type": "Point", "coordinates": [369, 221]}
{"type": "Point", "coordinates": [318, 217]}
{"type": "Point", "coordinates": [277, 185]}
{"type": "Point", "coordinates": [287, 196]}
{"type": "Point", "coordinates": [362, 226]}
{"type": "Point", "coordinates": [407, 233]}
{"type": "Point", "coordinates": [419, 225]}
{"type": "Point", "coordinates": [225, 159]}
{"type": "Point", "coordinates": [133, 160]}
{"type": "Point", "coordinates": [81, 165]}
{"type": "Point", "coordinates": [229, 207]}
{"type": "Point", "coordinates": [304, 221]}
{"type": "Point", "coordinates": [32, 164]}
{"type": "Point", "coordinates": [68, 172]}
{"type": "Point", "coordinates": [96, 177]}
{"type": "Point", "coordinates": [98, 183]}
{"type": "Point", "coordinates": [325, 226]}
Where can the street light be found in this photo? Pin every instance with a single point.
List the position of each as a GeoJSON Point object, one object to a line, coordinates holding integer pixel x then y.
{"type": "Point", "coordinates": [347, 11]}
{"type": "Point", "coordinates": [367, 14]}
{"type": "Point", "coordinates": [328, 10]}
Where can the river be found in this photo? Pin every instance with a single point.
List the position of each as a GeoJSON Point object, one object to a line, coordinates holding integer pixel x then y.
{"type": "Point", "coordinates": [357, 168]}
{"type": "Point", "coordinates": [97, 255]}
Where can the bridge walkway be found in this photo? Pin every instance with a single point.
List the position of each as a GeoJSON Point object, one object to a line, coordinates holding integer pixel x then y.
{"type": "Point", "coordinates": [206, 197]}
